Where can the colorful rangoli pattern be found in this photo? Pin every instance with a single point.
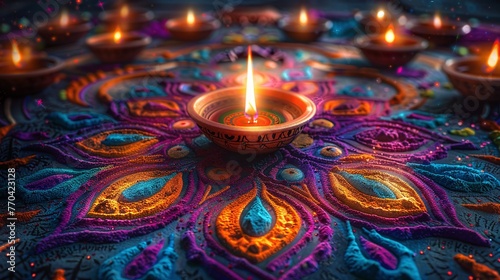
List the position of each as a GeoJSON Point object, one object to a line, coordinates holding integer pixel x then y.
{"type": "Point", "coordinates": [117, 182]}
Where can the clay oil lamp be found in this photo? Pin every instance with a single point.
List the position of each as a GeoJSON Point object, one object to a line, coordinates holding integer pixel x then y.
{"type": "Point", "coordinates": [27, 74]}
{"type": "Point", "coordinates": [438, 31]}
{"type": "Point", "coordinates": [259, 120]}
{"type": "Point", "coordinates": [476, 76]}
{"type": "Point", "coordinates": [118, 47]}
{"type": "Point", "coordinates": [63, 31]}
{"type": "Point", "coordinates": [373, 21]}
{"type": "Point", "coordinates": [303, 28]}
{"type": "Point", "coordinates": [390, 50]}
{"type": "Point", "coordinates": [192, 27]}
{"type": "Point", "coordinates": [129, 18]}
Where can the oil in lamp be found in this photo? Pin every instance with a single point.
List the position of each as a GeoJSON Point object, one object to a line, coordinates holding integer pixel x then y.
{"type": "Point", "coordinates": [119, 46]}
{"type": "Point", "coordinates": [438, 31]}
{"type": "Point", "coordinates": [29, 74]}
{"type": "Point", "coordinates": [192, 27]}
{"type": "Point", "coordinates": [135, 18]}
{"type": "Point", "coordinates": [264, 121]}
{"type": "Point", "coordinates": [303, 28]}
{"type": "Point", "coordinates": [65, 30]}
{"type": "Point", "coordinates": [390, 50]}
{"type": "Point", "coordinates": [476, 75]}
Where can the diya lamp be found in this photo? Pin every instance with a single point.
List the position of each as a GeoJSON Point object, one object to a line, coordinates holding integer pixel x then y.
{"type": "Point", "coordinates": [475, 75]}
{"type": "Point", "coordinates": [65, 30]}
{"type": "Point", "coordinates": [438, 31]}
{"type": "Point", "coordinates": [192, 27]}
{"type": "Point", "coordinates": [134, 18]}
{"type": "Point", "coordinates": [304, 28]}
{"type": "Point", "coordinates": [373, 22]}
{"type": "Point", "coordinates": [263, 121]}
{"type": "Point", "coordinates": [28, 74]}
{"type": "Point", "coordinates": [390, 49]}
{"type": "Point", "coordinates": [118, 47]}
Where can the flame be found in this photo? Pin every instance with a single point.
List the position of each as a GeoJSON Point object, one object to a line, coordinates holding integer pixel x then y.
{"type": "Point", "coordinates": [303, 16]}
{"type": "Point", "coordinates": [493, 58]}
{"type": "Point", "coordinates": [124, 11]}
{"type": "Point", "coordinates": [380, 14]}
{"type": "Point", "coordinates": [250, 107]}
{"type": "Point", "coordinates": [437, 21]}
{"type": "Point", "coordinates": [118, 35]}
{"type": "Point", "coordinates": [190, 17]}
{"type": "Point", "coordinates": [64, 18]}
{"type": "Point", "coordinates": [16, 55]}
{"type": "Point", "coordinates": [389, 35]}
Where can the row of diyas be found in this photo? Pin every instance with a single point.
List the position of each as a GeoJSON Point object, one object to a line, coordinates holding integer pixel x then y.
{"type": "Point", "coordinates": [302, 26]}
{"type": "Point", "coordinates": [437, 30]}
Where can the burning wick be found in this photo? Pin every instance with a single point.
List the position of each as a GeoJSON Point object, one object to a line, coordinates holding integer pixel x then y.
{"type": "Point", "coordinates": [493, 58]}
{"type": "Point", "coordinates": [250, 107]}
{"type": "Point", "coordinates": [190, 17]}
{"type": "Point", "coordinates": [16, 55]}
{"type": "Point", "coordinates": [389, 35]}
{"type": "Point", "coordinates": [118, 35]}
{"type": "Point", "coordinates": [437, 21]}
{"type": "Point", "coordinates": [380, 14]}
{"type": "Point", "coordinates": [124, 11]}
{"type": "Point", "coordinates": [303, 17]}
{"type": "Point", "coordinates": [64, 18]}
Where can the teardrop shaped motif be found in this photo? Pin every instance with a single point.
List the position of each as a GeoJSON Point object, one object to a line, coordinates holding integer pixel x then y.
{"type": "Point", "coordinates": [257, 248]}
{"type": "Point", "coordinates": [257, 221]}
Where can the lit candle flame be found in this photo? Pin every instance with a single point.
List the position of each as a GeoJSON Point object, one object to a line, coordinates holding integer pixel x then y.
{"type": "Point", "coordinates": [493, 58]}
{"type": "Point", "coordinates": [124, 11]}
{"type": "Point", "coordinates": [118, 35]}
{"type": "Point", "coordinates": [16, 55]}
{"type": "Point", "coordinates": [303, 16]}
{"type": "Point", "coordinates": [250, 107]}
{"type": "Point", "coordinates": [190, 17]}
{"type": "Point", "coordinates": [380, 14]}
{"type": "Point", "coordinates": [389, 35]}
{"type": "Point", "coordinates": [437, 21]}
{"type": "Point", "coordinates": [64, 18]}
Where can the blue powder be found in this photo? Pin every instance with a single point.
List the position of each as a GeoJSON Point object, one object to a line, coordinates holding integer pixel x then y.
{"type": "Point", "coordinates": [77, 120]}
{"type": "Point", "coordinates": [257, 221]}
{"type": "Point", "coordinates": [144, 189]}
{"type": "Point", "coordinates": [117, 139]}
{"type": "Point", "coordinates": [368, 186]}
{"type": "Point", "coordinates": [458, 178]}
{"type": "Point", "coordinates": [365, 268]}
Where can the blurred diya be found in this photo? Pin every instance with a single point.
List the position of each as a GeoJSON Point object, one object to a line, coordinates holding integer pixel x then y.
{"type": "Point", "coordinates": [476, 76]}
{"type": "Point", "coordinates": [388, 50]}
{"type": "Point", "coordinates": [303, 28]}
{"type": "Point", "coordinates": [128, 18]}
{"type": "Point", "coordinates": [28, 75]}
{"type": "Point", "coordinates": [373, 22]}
{"type": "Point", "coordinates": [192, 27]}
{"type": "Point", "coordinates": [438, 31]}
{"type": "Point", "coordinates": [243, 126]}
{"type": "Point", "coordinates": [118, 47]}
{"type": "Point", "coordinates": [63, 31]}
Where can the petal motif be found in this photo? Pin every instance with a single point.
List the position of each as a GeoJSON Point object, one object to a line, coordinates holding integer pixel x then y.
{"type": "Point", "coordinates": [257, 248]}
{"type": "Point", "coordinates": [375, 192]}
{"type": "Point", "coordinates": [125, 142]}
{"type": "Point", "coordinates": [137, 195]}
